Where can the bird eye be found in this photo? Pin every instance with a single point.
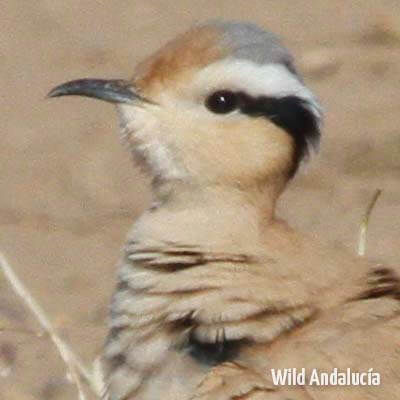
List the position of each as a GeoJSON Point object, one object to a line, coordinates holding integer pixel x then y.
{"type": "Point", "coordinates": [222, 102]}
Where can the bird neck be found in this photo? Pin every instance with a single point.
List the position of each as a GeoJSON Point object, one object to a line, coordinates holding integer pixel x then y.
{"type": "Point", "coordinates": [179, 194]}
{"type": "Point", "coordinates": [216, 215]}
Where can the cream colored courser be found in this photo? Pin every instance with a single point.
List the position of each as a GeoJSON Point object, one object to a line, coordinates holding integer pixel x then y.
{"type": "Point", "coordinates": [213, 289]}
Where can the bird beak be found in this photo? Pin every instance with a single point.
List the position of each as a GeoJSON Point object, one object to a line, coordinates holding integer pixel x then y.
{"type": "Point", "coordinates": [114, 90]}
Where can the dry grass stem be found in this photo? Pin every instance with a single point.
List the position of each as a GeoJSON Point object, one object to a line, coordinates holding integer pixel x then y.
{"type": "Point", "coordinates": [362, 238]}
{"type": "Point", "coordinates": [76, 369]}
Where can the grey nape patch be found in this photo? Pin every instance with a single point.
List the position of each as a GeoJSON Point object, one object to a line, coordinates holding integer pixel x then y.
{"type": "Point", "coordinates": [250, 42]}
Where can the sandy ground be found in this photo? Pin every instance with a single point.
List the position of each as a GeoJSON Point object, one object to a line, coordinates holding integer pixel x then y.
{"type": "Point", "coordinates": [69, 191]}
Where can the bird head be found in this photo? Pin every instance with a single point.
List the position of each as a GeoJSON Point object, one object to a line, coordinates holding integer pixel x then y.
{"type": "Point", "coordinates": [222, 104]}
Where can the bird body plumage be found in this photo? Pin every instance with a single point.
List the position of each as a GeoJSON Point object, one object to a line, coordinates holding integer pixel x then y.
{"type": "Point", "coordinates": [213, 289]}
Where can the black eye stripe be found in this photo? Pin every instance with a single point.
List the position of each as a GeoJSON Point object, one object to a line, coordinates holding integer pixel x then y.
{"type": "Point", "coordinates": [291, 113]}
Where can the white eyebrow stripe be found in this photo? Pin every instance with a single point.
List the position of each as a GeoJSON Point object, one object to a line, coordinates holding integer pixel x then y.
{"type": "Point", "coordinates": [272, 80]}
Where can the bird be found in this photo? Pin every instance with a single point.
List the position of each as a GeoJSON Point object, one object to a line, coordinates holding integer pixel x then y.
{"type": "Point", "coordinates": [214, 290]}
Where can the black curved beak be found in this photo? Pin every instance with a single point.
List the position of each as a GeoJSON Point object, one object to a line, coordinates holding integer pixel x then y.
{"type": "Point", "coordinates": [115, 91]}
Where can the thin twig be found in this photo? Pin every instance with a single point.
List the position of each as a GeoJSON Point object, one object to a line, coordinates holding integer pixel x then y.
{"type": "Point", "coordinates": [75, 366]}
{"type": "Point", "coordinates": [362, 238]}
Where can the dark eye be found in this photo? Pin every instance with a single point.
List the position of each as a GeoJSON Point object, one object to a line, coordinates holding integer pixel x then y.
{"type": "Point", "coordinates": [222, 102]}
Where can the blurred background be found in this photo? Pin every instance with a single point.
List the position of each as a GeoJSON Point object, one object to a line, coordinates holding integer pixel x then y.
{"type": "Point", "coordinates": [69, 192]}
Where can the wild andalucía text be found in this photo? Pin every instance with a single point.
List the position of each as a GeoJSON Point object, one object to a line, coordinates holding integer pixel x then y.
{"type": "Point", "coordinates": [314, 377]}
